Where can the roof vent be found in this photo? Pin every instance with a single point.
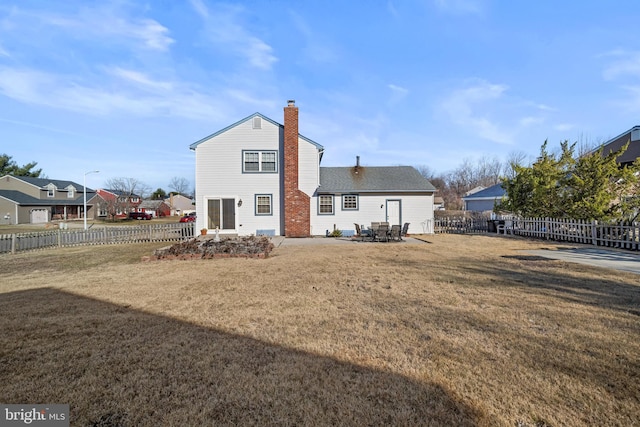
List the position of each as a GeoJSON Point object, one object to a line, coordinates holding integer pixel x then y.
{"type": "Point", "coordinates": [257, 123]}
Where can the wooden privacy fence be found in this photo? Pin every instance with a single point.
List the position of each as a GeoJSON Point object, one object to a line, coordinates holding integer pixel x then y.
{"type": "Point", "coordinates": [96, 236]}
{"type": "Point", "coordinates": [618, 235]}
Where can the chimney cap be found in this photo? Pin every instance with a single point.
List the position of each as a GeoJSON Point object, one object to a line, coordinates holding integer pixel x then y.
{"type": "Point", "coordinates": [291, 102]}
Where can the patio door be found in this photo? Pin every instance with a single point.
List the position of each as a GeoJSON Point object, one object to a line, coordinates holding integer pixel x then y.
{"type": "Point", "coordinates": [221, 214]}
{"type": "Point", "coordinates": [393, 212]}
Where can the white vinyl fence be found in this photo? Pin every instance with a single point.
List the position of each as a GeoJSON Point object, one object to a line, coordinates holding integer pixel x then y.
{"type": "Point", "coordinates": [96, 236]}
{"type": "Point", "coordinates": [618, 235]}
{"type": "Point", "coordinates": [622, 235]}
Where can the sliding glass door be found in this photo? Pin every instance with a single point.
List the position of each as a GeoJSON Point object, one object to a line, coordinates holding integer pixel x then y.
{"type": "Point", "coordinates": [221, 214]}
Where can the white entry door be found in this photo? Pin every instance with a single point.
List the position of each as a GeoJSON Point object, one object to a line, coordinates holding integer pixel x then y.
{"type": "Point", "coordinates": [393, 212]}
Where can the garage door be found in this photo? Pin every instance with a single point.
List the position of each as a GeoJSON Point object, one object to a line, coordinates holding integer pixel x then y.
{"type": "Point", "coordinates": [39, 216]}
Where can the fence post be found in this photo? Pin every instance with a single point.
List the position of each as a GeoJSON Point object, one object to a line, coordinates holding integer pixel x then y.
{"type": "Point", "coordinates": [594, 232]}
{"type": "Point", "coordinates": [14, 240]}
{"type": "Point", "coordinates": [547, 227]}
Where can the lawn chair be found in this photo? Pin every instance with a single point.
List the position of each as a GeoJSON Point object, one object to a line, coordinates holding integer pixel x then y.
{"type": "Point", "coordinates": [382, 233]}
{"type": "Point", "coordinates": [405, 229]}
{"type": "Point", "coordinates": [361, 232]}
{"type": "Point", "coordinates": [505, 228]}
{"type": "Point", "coordinates": [394, 234]}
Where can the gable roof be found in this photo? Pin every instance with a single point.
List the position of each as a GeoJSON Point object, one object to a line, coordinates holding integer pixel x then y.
{"type": "Point", "coordinates": [152, 204]}
{"type": "Point", "coordinates": [367, 179]}
{"type": "Point", "coordinates": [26, 200]}
{"type": "Point", "coordinates": [195, 144]}
{"type": "Point", "coordinates": [43, 182]}
{"type": "Point", "coordinates": [632, 136]}
{"type": "Point", "coordinates": [493, 192]}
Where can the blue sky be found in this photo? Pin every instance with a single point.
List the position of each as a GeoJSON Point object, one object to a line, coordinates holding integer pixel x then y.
{"type": "Point", "coordinates": [126, 86]}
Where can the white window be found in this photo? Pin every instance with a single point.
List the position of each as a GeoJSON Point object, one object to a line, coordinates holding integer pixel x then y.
{"type": "Point", "coordinates": [325, 205]}
{"type": "Point", "coordinates": [51, 191]}
{"type": "Point", "coordinates": [349, 202]}
{"type": "Point", "coordinates": [260, 161]}
{"type": "Point", "coordinates": [71, 193]}
{"type": "Point", "coordinates": [263, 204]}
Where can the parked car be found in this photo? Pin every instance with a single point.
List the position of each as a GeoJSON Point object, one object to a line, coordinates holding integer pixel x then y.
{"type": "Point", "coordinates": [140, 215]}
{"type": "Point", "coordinates": [191, 217]}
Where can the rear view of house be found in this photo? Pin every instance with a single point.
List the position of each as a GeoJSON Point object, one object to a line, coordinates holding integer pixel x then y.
{"type": "Point", "coordinates": [257, 176]}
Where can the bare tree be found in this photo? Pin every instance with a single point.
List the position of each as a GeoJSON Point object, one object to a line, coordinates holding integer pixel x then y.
{"type": "Point", "coordinates": [179, 185]}
{"type": "Point", "coordinates": [125, 190]}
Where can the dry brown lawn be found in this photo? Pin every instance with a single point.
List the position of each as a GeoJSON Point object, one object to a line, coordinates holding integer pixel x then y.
{"type": "Point", "coordinates": [459, 331]}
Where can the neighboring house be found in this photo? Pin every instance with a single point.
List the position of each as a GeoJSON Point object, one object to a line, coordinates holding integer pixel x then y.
{"type": "Point", "coordinates": [157, 208]}
{"type": "Point", "coordinates": [257, 176]}
{"type": "Point", "coordinates": [116, 203]}
{"type": "Point", "coordinates": [27, 200]}
{"type": "Point", "coordinates": [180, 205]}
{"type": "Point", "coordinates": [632, 136]}
{"type": "Point", "coordinates": [438, 204]}
{"type": "Point", "coordinates": [484, 200]}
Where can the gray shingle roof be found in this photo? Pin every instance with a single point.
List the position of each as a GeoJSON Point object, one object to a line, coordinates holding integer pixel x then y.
{"type": "Point", "coordinates": [26, 200]}
{"type": "Point", "coordinates": [43, 182]}
{"type": "Point", "coordinates": [367, 179]}
{"type": "Point", "coordinates": [492, 192]}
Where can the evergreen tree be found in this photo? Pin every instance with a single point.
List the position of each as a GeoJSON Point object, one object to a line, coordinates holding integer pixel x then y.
{"type": "Point", "coordinates": [10, 167]}
{"type": "Point", "coordinates": [590, 187]}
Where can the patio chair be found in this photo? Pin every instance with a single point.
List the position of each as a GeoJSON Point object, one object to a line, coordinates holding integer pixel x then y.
{"type": "Point", "coordinates": [405, 229]}
{"type": "Point", "coordinates": [394, 234]}
{"type": "Point", "coordinates": [361, 232]}
{"type": "Point", "coordinates": [382, 233]}
{"type": "Point", "coordinates": [505, 228]}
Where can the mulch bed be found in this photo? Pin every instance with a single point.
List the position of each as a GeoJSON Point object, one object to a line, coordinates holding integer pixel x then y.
{"type": "Point", "coordinates": [207, 248]}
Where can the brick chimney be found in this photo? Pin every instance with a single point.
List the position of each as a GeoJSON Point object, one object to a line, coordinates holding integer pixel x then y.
{"type": "Point", "coordinates": [297, 204]}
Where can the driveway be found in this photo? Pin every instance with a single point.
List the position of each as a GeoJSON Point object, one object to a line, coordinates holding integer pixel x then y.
{"type": "Point", "coordinates": [605, 258]}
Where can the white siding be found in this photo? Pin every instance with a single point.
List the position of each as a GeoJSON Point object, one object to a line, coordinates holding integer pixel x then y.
{"type": "Point", "coordinates": [219, 174]}
{"type": "Point", "coordinates": [415, 209]}
{"type": "Point", "coordinates": [308, 167]}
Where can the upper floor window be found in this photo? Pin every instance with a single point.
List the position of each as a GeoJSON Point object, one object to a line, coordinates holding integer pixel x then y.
{"type": "Point", "coordinates": [135, 199]}
{"type": "Point", "coordinates": [51, 191]}
{"type": "Point", "coordinates": [259, 161]}
{"type": "Point", "coordinates": [349, 202]}
{"type": "Point", "coordinates": [325, 205]}
{"type": "Point", "coordinates": [71, 193]}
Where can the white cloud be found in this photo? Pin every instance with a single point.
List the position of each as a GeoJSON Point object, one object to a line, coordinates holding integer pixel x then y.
{"type": "Point", "coordinates": [316, 48]}
{"type": "Point", "coordinates": [140, 79]}
{"type": "Point", "coordinates": [107, 97]}
{"type": "Point", "coordinates": [563, 127]}
{"type": "Point", "coordinates": [106, 24]}
{"type": "Point", "coordinates": [226, 32]}
{"type": "Point", "coordinates": [200, 8]}
{"type": "Point", "coordinates": [463, 107]}
{"type": "Point", "coordinates": [398, 89]}
{"type": "Point", "coordinates": [628, 65]}
{"type": "Point", "coordinates": [530, 121]}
